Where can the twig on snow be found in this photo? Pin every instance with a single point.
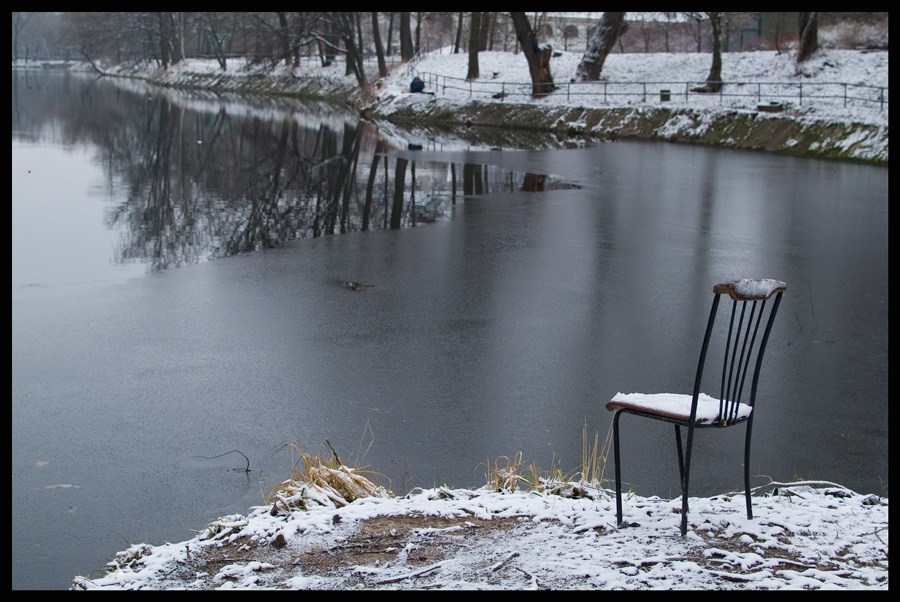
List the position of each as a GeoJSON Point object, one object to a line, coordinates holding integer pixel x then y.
{"type": "Point", "coordinates": [409, 575]}
{"type": "Point", "coordinates": [500, 564]}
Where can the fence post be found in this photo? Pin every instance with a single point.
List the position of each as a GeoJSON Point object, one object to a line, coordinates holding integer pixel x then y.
{"type": "Point", "coordinates": [604, 92]}
{"type": "Point", "coordinates": [801, 93]}
{"type": "Point", "coordinates": [845, 96]}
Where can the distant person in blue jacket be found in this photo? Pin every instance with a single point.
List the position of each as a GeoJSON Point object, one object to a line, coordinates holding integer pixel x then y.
{"type": "Point", "coordinates": [417, 85]}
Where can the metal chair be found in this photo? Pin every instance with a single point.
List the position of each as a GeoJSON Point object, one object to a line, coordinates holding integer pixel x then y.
{"type": "Point", "coordinates": [744, 345]}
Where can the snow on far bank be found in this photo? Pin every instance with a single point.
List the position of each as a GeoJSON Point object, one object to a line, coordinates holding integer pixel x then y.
{"type": "Point", "coordinates": [741, 71]}
{"type": "Point", "coordinates": [839, 99]}
{"type": "Point", "coordinates": [679, 71]}
{"type": "Point", "coordinates": [836, 106]}
{"type": "Point", "coordinates": [801, 537]}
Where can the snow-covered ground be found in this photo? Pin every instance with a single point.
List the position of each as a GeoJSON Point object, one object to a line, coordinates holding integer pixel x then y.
{"type": "Point", "coordinates": [766, 67]}
{"type": "Point", "coordinates": [752, 78]}
{"type": "Point", "coordinates": [801, 537]}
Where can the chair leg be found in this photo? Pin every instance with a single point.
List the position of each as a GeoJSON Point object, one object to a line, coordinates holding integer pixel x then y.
{"type": "Point", "coordinates": [747, 470]}
{"type": "Point", "coordinates": [680, 454]}
{"type": "Point", "coordinates": [618, 469]}
{"type": "Point", "coordinates": [685, 480]}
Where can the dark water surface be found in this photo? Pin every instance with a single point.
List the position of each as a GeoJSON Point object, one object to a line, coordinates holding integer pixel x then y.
{"type": "Point", "coordinates": [499, 319]}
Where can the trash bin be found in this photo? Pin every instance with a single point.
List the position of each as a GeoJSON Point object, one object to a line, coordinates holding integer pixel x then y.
{"type": "Point", "coordinates": [665, 95]}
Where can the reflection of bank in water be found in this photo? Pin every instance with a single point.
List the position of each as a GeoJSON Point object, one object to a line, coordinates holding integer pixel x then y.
{"type": "Point", "coordinates": [264, 173]}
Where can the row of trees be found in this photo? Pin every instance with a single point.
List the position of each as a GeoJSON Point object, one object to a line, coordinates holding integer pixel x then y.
{"type": "Point", "coordinates": [613, 25]}
{"type": "Point", "coordinates": [168, 37]}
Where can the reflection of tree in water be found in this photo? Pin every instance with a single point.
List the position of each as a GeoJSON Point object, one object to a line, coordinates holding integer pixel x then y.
{"type": "Point", "coordinates": [211, 186]}
{"type": "Point", "coordinates": [195, 184]}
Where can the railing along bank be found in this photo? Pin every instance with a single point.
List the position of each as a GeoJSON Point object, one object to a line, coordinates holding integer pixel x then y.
{"type": "Point", "coordinates": [661, 92]}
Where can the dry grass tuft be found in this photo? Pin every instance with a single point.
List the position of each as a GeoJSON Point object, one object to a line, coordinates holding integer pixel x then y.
{"type": "Point", "coordinates": [505, 474]}
{"type": "Point", "coordinates": [318, 482]}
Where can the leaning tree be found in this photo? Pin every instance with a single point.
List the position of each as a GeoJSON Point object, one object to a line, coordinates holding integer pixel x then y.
{"type": "Point", "coordinates": [600, 44]}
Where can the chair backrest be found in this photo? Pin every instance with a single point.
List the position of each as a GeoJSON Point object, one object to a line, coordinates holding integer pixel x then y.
{"type": "Point", "coordinates": [743, 345]}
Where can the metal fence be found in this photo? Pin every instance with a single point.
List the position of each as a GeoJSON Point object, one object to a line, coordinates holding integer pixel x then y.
{"type": "Point", "coordinates": [662, 93]}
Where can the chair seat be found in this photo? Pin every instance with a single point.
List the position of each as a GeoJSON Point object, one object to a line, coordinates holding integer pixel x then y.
{"type": "Point", "coordinates": [673, 405]}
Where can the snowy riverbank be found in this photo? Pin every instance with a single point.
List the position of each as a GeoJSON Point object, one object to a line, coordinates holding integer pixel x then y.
{"type": "Point", "coordinates": [826, 126]}
{"type": "Point", "coordinates": [819, 121]}
{"type": "Point", "coordinates": [802, 537]}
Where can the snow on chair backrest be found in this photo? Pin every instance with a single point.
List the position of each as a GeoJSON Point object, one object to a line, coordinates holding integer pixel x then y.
{"type": "Point", "coordinates": [742, 337]}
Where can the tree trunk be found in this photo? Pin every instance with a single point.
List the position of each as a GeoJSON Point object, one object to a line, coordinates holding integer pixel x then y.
{"type": "Point", "coordinates": [379, 49]}
{"type": "Point", "coordinates": [216, 41]}
{"type": "Point", "coordinates": [474, 45]}
{"type": "Point", "coordinates": [380, 147]}
{"type": "Point", "coordinates": [714, 80]}
{"type": "Point", "coordinates": [406, 43]}
{"type": "Point", "coordinates": [347, 24]}
{"type": "Point", "coordinates": [390, 47]}
{"type": "Point", "coordinates": [610, 29]}
{"type": "Point", "coordinates": [399, 183]}
{"type": "Point", "coordinates": [809, 36]}
{"type": "Point", "coordinates": [418, 47]}
{"type": "Point", "coordinates": [489, 26]}
{"type": "Point", "coordinates": [164, 41]}
{"type": "Point", "coordinates": [538, 56]}
{"type": "Point", "coordinates": [284, 36]}
{"type": "Point", "coordinates": [459, 28]}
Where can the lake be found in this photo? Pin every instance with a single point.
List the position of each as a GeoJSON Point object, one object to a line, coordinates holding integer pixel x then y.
{"type": "Point", "coordinates": [195, 274]}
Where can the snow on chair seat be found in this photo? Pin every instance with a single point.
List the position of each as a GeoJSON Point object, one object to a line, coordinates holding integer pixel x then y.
{"type": "Point", "coordinates": [675, 406]}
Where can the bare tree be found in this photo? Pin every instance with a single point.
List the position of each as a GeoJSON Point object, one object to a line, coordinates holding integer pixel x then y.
{"type": "Point", "coordinates": [19, 21]}
{"type": "Point", "coordinates": [809, 36]}
{"type": "Point", "coordinates": [475, 44]}
{"type": "Point", "coordinates": [775, 26]}
{"type": "Point", "coordinates": [171, 38]}
{"type": "Point", "coordinates": [215, 37]}
{"type": "Point", "coordinates": [714, 79]}
{"type": "Point", "coordinates": [537, 55]}
{"type": "Point", "coordinates": [406, 43]}
{"type": "Point", "coordinates": [600, 44]}
{"type": "Point", "coordinates": [348, 26]}
{"type": "Point", "coordinates": [418, 46]}
{"type": "Point", "coordinates": [490, 26]}
{"type": "Point", "coordinates": [379, 49]}
{"type": "Point", "coordinates": [284, 38]}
